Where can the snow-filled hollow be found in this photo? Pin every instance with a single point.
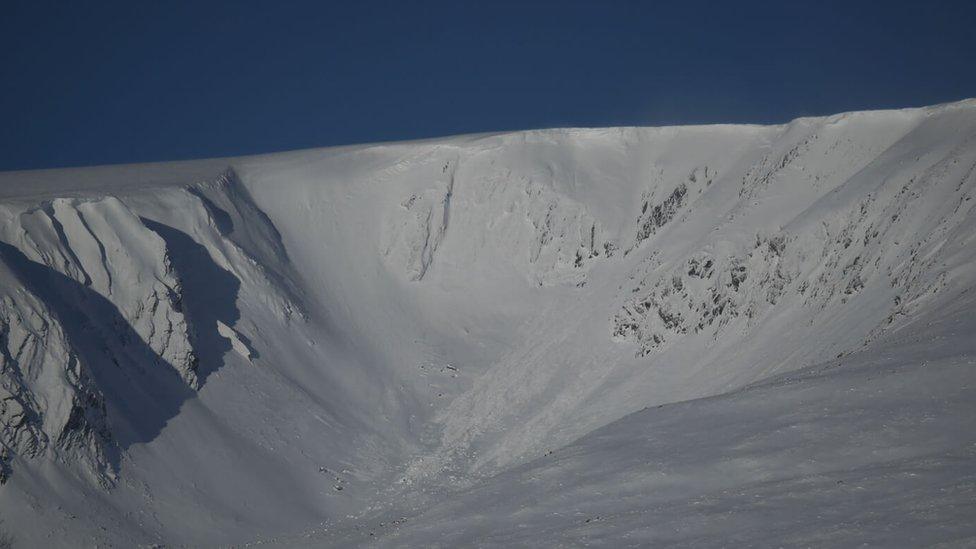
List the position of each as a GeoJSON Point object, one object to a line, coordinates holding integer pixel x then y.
{"type": "Point", "coordinates": [690, 336]}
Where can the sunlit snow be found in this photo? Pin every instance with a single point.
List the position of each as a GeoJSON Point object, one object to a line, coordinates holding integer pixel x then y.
{"type": "Point", "coordinates": [692, 336]}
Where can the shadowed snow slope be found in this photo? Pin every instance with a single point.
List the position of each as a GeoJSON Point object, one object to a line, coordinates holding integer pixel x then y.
{"type": "Point", "coordinates": [696, 335]}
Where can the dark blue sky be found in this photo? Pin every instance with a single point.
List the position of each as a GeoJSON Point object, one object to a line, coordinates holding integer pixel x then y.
{"type": "Point", "coordinates": [105, 82]}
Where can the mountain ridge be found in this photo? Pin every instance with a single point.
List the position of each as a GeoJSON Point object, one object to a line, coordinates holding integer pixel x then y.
{"type": "Point", "coordinates": [205, 168]}
{"type": "Point", "coordinates": [246, 348]}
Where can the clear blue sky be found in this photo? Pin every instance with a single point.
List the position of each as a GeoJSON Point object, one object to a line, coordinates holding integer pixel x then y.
{"type": "Point", "coordinates": [105, 82]}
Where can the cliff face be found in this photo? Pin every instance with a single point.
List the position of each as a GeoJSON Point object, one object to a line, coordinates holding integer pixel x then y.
{"type": "Point", "coordinates": [96, 317]}
{"type": "Point", "coordinates": [275, 341]}
{"type": "Point", "coordinates": [88, 288]}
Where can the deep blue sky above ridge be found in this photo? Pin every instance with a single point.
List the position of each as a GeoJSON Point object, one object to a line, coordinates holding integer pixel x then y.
{"type": "Point", "coordinates": [85, 83]}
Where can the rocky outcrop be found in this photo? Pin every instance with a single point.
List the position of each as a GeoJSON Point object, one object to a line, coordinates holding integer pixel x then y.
{"type": "Point", "coordinates": [102, 245]}
{"type": "Point", "coordinates": [49, 402]}
{"type": "Point", "coordinates": [655, 215]}
{"type": "Point", "coordinates": [892, 236]}
{"type": "Point", "coordinates": [421, 224]}
{"type": "Point", "coordinates": [702, 294]}
{"type": "Point", "coordinates": [94, 317]}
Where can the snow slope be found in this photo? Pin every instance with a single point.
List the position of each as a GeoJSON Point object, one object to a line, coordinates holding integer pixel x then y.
{"type": "Point", "coordinates": [690, 335]}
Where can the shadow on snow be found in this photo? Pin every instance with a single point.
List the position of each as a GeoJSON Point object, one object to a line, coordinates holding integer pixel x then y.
{"type": "Point", "coordinates": [142, 390]}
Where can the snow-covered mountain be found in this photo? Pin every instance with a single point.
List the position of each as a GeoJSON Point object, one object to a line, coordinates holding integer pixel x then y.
{"type": "Point", "coordinates": [702, 335]}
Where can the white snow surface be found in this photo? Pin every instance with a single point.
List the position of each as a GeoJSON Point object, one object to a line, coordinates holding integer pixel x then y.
{"type": "Point", "coordinates": [681, 336]}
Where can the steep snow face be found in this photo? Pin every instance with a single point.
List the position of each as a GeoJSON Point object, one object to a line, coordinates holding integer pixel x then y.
{"type": "Point", "coordinates": [226, 350]}
{"type": "Point", "coordinates": [831, 455]}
